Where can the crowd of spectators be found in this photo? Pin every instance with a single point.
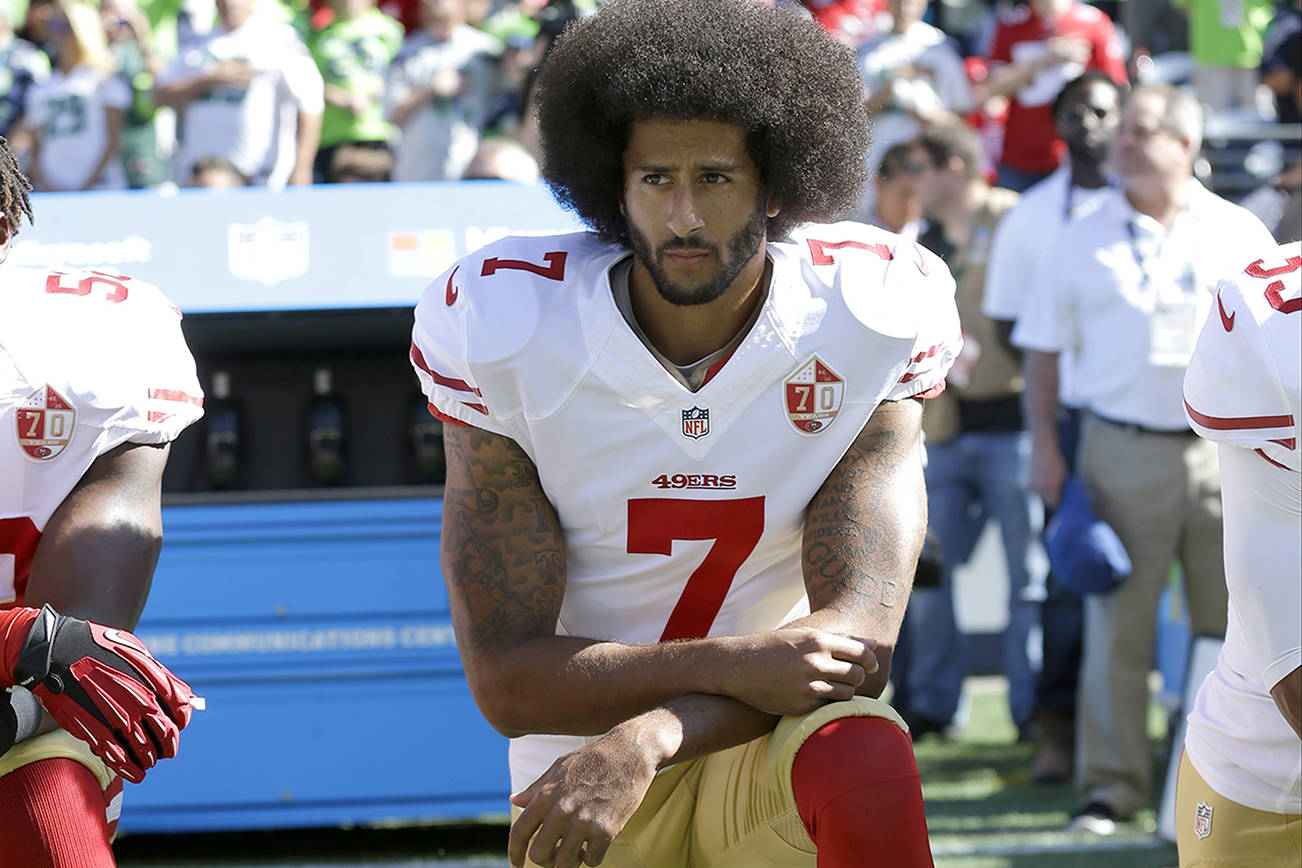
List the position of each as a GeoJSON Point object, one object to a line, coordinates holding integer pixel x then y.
{"type": "Point", "coordinates": [1000, 130]}
{"type": "Point", "coordinates": [141, 93]}
{"type": "Point", "coordinates": [136, 93]}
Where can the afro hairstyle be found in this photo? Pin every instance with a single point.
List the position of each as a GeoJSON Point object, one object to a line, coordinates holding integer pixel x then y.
{"type": "Point", "coordinates": [793, 88]}
{"type": "Point", "coordinates": [14, 188]}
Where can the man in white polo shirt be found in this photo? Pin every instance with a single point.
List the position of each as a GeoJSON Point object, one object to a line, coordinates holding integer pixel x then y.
{"type": "Point", "coordinates": [1127, 288]}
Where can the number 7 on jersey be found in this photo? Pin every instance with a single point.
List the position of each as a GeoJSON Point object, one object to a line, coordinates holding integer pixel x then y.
{"type": "Point", "coordinates": [735, 526]}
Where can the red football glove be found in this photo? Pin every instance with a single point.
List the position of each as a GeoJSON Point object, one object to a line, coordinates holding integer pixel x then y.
{"type": "Point", "coordinates": [99, 683]}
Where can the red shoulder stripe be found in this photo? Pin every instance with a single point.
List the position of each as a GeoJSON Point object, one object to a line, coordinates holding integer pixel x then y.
{"type": "Point", "coordinates": [449, 382]}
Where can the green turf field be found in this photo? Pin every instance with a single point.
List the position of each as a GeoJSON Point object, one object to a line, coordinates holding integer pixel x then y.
{"type": "Point", "coordinates": [981, 810]}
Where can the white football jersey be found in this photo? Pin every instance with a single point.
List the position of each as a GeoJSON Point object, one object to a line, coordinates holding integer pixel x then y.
{"type": "Point", "coordinates": [1242, 390]}
{"type": "Point", "coordinates": [88, 361]}
{"type": "Point", "coordinates": [682, 511]}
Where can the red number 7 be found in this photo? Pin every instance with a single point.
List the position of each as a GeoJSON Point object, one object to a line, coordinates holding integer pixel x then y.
{"type": "Point", "coordinates": [819, 256]}
{"type": "Point", "coordinates": [735, 526]}
{"type": "Point", "coordinates": [553, 270]}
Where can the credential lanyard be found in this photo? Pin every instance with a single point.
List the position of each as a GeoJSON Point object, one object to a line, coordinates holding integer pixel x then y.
{"type": "Point", "coordinates": [1143, 261]}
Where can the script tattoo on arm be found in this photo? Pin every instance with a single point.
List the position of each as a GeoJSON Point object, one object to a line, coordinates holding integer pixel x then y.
{"type": "Point", "coordinates": [864, 528]}
{"type": "Point", "coordinates": [502, 548]}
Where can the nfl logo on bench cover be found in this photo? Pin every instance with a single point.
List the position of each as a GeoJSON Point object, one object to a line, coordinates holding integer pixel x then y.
{"type": "Point", "coordinates": [696, 423]}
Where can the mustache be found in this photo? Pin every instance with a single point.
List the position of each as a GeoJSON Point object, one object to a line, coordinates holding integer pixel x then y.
{"type": "Point", "coordinates": [688, 245]}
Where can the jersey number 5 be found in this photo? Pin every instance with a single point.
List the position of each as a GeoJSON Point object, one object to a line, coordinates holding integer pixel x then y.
{"type": "Point", "coordinates": [117, 291]}
{"type": "Point", "coordinates": [734, 525]}
{"type": "Point", "coordinates": [1275, 291]}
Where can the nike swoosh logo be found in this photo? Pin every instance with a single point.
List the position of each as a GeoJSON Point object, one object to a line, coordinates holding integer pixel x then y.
{"type": "Point", "coordinates": [114, 635]}
{"type": "Point", "coordinates": [451, 294]}
{"type": "Point", "coordinates": [1227, 321]}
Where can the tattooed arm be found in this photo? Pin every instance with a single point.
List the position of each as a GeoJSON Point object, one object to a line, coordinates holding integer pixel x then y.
{"type": "Point", "coordinates": [864, 532]}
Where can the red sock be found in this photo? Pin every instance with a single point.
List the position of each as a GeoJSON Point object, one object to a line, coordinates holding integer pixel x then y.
{"type": "Point", "coordinates": [52, 813]}
{"type": "Point", "coordinates": [858, 794]}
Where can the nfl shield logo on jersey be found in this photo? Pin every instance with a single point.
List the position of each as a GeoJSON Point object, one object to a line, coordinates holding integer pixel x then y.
{"type": "Point", "coordinates": [1203, 820]}
{"type": "Point", "coordinates": [696, 423]}
{"type": "Point", "coordinates": [813, 396]}
{"type": "Point", "coordinates": [44, 420]}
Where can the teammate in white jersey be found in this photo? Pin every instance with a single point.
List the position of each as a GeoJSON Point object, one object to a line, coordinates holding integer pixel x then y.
{"type": "Point", "coordinates": [1239, 797]}
{"type": "Point", "coordinates": [95, 381]}
{"type": "Point", "coordinates": [684, 499]}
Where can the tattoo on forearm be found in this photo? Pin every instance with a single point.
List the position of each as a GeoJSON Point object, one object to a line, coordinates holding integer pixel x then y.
{"type": "Point", "coordinates": [503, 553]}
{"type": "Point", "coordinates": [860, 540]}
{"type": "Point", "coordinates": [844, 579]}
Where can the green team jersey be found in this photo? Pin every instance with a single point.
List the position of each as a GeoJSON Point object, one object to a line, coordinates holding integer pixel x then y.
{"type": "Point", "coordinates": [354, 55]}
{"type": "Point", "coordinates": [1227, 32]}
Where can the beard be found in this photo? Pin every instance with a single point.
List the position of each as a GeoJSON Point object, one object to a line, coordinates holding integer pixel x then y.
{"type": "Point", "coordinates": [1087, 150]}
{"type": "Point", "coordinates": [740, 249]}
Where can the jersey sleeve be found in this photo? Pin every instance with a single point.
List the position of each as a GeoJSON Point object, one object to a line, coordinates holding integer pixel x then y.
{"type": "Point", "coordinates": [440, 355]}
{"type": "Point", "coordinates": [165, 395]}
{"type": "Point", "coordinates": [939, 337]}
{"type": "Point", "coordinates": [1233, 391]}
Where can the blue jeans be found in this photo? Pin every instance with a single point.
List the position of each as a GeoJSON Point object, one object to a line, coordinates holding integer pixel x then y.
{"type": "Point", "coordinates": [1062, 617]}
{"type": "Point", "coordinates": [970, 479]}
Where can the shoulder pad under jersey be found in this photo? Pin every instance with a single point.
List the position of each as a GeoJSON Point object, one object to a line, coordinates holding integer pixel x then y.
{"type": "Point", "coordinates": [498, 334]}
